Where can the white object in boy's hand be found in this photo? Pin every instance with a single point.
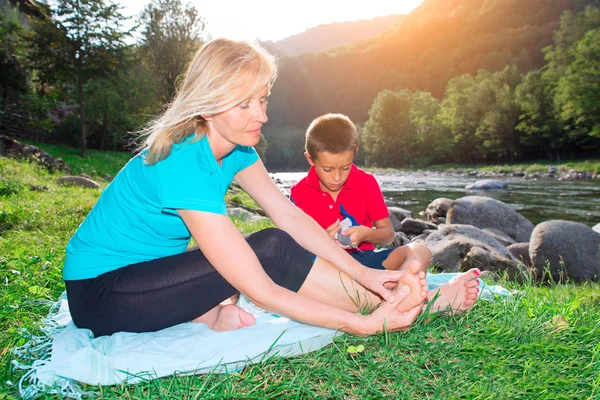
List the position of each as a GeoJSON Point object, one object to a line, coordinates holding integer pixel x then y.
{"type": "Point", "coordinates": [345, 240]}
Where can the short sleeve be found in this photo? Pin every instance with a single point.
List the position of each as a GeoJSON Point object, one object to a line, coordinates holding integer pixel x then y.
{"type": "Point", "coordinates": [376, 207]}
{"type": "Point", "coordinates": [188, 182]}
{"type": "Point", "coordinates": [246, 156]}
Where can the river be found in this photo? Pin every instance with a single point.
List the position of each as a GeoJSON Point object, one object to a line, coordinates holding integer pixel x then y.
{"type": "Point", "coordinates": [538, 200]}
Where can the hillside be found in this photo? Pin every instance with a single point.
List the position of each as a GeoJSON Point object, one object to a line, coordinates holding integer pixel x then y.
{"type": "Point", "coordinates": [326, 36]}
{"type": "Point", "coordinates": [434, 43]}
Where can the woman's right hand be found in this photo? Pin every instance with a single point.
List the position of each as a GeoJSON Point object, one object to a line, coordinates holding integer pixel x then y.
{"type": "Point", "coordinates": [387, 318]}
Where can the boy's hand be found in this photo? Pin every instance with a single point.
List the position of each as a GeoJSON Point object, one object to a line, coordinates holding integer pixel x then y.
{"type": "Point", "coordinates": [331, 231]}
{"type": "Point", "coordinates": [357, 234]}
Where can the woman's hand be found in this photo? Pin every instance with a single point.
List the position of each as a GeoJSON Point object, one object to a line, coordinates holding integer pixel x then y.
{"type": "Point", "coordinates": [387, 318]}
{"type": "Point", "coordinates": [379, 281]}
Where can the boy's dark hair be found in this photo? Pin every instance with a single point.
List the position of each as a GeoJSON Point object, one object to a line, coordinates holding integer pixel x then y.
{"type": "Point", "coordinates": [331, 133]}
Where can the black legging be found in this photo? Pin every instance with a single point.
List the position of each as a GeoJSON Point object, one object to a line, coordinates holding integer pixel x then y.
{"type": "Point", "coordinates": [156, 294]}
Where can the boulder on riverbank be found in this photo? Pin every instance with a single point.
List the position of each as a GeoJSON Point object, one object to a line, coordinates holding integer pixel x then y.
{"type": "Point", "coordinates": [12, 147]}
{"type": "Point", "coordinates": [438, 209]}
{"type": "Point", "coordinates": [487, 184]}
{"type": "Point", "coordinates": [565, 249]}
{"type": "Point", "coordinates": [520, 251]}
{"type": "Point", "coordinates": [415, 226]}
{"type": "Point", "coordinates": [485, 212]}
{"type": "Point", "coordinates": [397, 215]}
{"type": "Point", "coordinates": [460, 247]}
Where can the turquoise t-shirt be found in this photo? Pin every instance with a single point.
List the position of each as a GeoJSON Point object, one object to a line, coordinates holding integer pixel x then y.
{"type": "Point", "coordinates": [136, 217]}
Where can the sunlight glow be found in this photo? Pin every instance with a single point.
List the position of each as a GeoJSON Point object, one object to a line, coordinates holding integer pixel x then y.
{"type": "Point", "coordinates": [276, 19]}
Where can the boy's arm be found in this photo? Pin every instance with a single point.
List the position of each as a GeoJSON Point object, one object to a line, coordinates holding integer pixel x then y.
{"type": "Point", "coordinates": [377, 211]}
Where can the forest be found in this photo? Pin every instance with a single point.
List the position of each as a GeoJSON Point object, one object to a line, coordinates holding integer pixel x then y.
{"type": "Point", "coordinates": [454, 81]}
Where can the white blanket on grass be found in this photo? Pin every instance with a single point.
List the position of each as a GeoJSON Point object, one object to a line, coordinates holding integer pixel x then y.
{"type": "Point", "coordinates": [65, 355]}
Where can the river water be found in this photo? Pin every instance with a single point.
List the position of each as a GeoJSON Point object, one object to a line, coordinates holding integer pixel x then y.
{"type": "Point", "coordinates": [538, 200]}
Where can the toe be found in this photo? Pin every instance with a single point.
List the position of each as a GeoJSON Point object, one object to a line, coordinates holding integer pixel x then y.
{"type": "Point", "coordinates": [472, 283]}
{"type": "Point", "coordinates": [473, 273]}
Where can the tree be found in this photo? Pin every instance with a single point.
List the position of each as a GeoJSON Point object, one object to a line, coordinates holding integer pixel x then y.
{"type": "Point", "coordinates": [121, 104]}
{"type": "Point", "coordinates": [171, 36]}
{"type": "Point", "coordinates": [500, 113]}
{"type": "Point", "coordinates": [388, 133]}
{"type": "Point", "coordinates": [13, 58]}
{"type": "Point", "coordinates": [431, 139]}
{"type": "Point", "coordinates": [578, 92]}
{"type": "Point", "coordinates": [92, 45]}
{"type": "Point", "coordinates": [460, 115]}
{"type": "Point", "coordinates": [538, 122]}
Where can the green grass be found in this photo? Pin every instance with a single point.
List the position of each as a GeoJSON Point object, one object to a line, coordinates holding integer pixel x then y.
{"type": "Point", "coordinates": [96, 164]}
{"type": "Point", "coordinates": [512, 349]}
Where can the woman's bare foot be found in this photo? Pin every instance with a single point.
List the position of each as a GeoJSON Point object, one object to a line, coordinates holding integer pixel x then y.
{"type": "Point", "coordinates": [414, 278]}
{"type": "Point", "coordinates": [226, 318]}
{"type": "Point", "coordinates": [458, 295]}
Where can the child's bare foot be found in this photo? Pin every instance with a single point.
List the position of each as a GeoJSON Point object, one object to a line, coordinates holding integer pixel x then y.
{"type": "Point", "coordinates": [226, 318]}
{"type": "Point", "coordinates": [458, 295]}
{"type": "Point", "coordinates": [414, 278]}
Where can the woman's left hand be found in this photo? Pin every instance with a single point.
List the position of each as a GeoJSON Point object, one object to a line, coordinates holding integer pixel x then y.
{"type": "Point", "coordinates": [378, 281]}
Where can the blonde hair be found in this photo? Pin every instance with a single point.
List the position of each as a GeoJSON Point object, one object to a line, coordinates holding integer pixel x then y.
{"type": "Point", "coordinates": [222, 74]}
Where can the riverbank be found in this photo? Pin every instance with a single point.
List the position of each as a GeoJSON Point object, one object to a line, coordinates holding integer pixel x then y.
{"type": "Point", "coordinates": [580, 169]}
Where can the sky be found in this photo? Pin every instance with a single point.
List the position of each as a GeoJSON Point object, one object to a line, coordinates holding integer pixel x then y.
{"type": "Point", "coordinates": [277, 19]}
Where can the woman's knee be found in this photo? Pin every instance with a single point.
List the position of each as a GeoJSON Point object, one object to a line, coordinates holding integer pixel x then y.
{"type": "Point", "coordinates": [271, 242]}
{"type": "Point", "coordinates": [282, 258]}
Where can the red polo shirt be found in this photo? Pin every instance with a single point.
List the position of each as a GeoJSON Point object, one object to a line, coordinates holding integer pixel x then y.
{"type": "Point", "coordinates": [360, 196]}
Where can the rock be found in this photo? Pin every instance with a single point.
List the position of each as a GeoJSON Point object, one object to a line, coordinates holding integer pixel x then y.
{"type": "Point", "coordinates": [400, 213]}
{"type": "Point", "coordinates": [395, 222]}
{"type": "Point", "coordinates": [485, 212]}
{"type": "Point", "coordinates": [460, 247]}
{"type": "Point", "coordinates": [518, 174]}
{"type": "Point", "coordinates": [438, 208]}
{"type": "Point", "coordinates": [420, 239]}
{"type": "Point", "coordinates": [12, 147]}
{"type": "Point", "coordinates": [415, 226]}
{"type": "Point", "coordinates": [500, 236]}
{"type": "Point", "coordinates": [568, 249]}
{"type": "Point", "coordinates": [245, 215]}
{"type": "Point", "coordinates": [520, 251]}
{"type": "Point", "coordinates": [400, 240]}
{"type": "Point", "coordinates": [78, 181]}
{"type": "Point", "coordinates": [487, 184]}
{"type": "Point", "coordinates": [390, 203]}
{"type": "Point", "coordinates": [596, 228]}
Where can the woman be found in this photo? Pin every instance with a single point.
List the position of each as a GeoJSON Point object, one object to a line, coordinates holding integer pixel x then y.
{"type": "Point", "coordinates": [126, 267]}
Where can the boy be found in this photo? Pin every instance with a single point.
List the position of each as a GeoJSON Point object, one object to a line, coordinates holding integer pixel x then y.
{"type": "Point", "coordinates": [335, 190]}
